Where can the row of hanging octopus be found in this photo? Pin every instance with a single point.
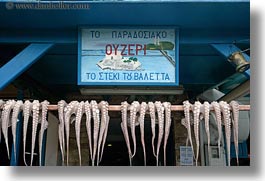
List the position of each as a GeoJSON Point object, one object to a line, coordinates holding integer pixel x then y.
{"type": "Point", "coordinates": [225, 114]}
{"type": "Point", "coordinates": [160, 114]}
{"type": "Point", "coordinates": [9, 117]}
{"type": "Point", "coordinates": [163, 111]}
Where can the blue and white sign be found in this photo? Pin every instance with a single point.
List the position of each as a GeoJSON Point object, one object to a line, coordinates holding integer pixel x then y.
{"type": "Point", "coordinates": [128, 56]}
{"type": "Point", "coordinates": [186, 156]}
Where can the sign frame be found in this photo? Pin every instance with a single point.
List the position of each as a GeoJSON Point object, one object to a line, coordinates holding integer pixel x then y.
{"type": "Point", "coordinates": [96, 83]}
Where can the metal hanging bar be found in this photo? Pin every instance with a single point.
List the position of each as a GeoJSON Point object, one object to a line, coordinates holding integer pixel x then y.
{"type": "Point", "coordinates": [173, 108]}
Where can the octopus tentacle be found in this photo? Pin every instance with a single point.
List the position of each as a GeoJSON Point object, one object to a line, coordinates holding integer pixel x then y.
{"type": "Point", "coordinates": [103, 122]}
{"type": "Point", "coordinates": [196, 113]}
{"type": "Point", "coordinates": [8, 106]}
{"type": "Point", "coordinates": [104, 137]}
{"type": "Point", "coordinates": [26, 111]}
{"type": "Point", "coordinates": [206, 113]}
{"type": "Point", "coordinates": [184, 123]}
{"type": "Point", "coordinates": [235, 112]}
{"type": "Point", "coordinates": [218, 118]}
{"type": "Point", "coordinates": [79, 114]}
{"type": "Point", "coordinates": [95, 113]}
{"type": "Point", "coordinates": [141, 121]}
{"type": "Point", "coordinates": [160, 111]}
{"type": "Point", "coordinates": [187, 105]}
{"type": "Point", "coordinates": [167, 106]}
{"type": "Point", "coordinates": [103, 105]}
{"type": "Point", "coordinates": [124, 109]}
{"type": "Point", "coordinates": [134, 108]}
{"type": "Point", "coordinates": [151, 107]}
{"type": "Point", "coordinates": [44, 125]}
{"type": "Point", "coordinates": [1, 105]}
{"type": "Point", "coordinates": [17, 108]}
{"type": "Point", "coordinates": [88, 126]}
{"type": "Point", "coordinates": [225, 109]}
{"type": "Point", "coordinates": [69, 110]}
{"type": "Point", "coordinates": [61, 105]}
{"type": "Point", "coordinates": [35, 121]}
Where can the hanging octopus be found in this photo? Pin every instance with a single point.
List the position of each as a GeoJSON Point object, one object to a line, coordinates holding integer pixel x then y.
{"type": "Point", "coordinates": [104, 137]}
{"type": "Point", "coordinates": [35, 121]}
{"type": "Point", "coordinates": [151, 108]}
{"type": "Point", "coordinates": [69, 110]}
{"type": "Point", "coordinates": [1, 105]}
{"type": "Point", "coordinates": [184, 123]}
{"type": "Point", "coordinates": [88, 126]}
{"type": "Point", "coordinates": [160, 112]}
{"type": "Point", "coordinates": [8, 106]}
{"type": "Point", "coordinates": [124, 109]}
{"type": "Point", "coordinates": [167, 106]}
{"type": "Point", "coordinates": [103, 105]}
{"type": "Point", "coordinates": [143, 109]}
{"type": "Point", "coordinates": [196, 114]}
{"type": "Point", "coordinates": [134, 108]}
{"type": "Point", "coordinates": [187, 124]}
{"type": "Point", "coordinates": [61, 106]}
{"type": "Point", "coordinates": [206, 113]}
{"type": "Point", "coordinates": [218, 118]}
{"type": "Point", "coordinates": [235, 112]}
{"type": "Point", "coordinates": [79, 114]}
{"type": "Point", "coordinates": [26, 111]}
{"type": "Point", "coordinates": [225, 109]}
{"type": "Point", "coordinates": [44, 126]}
{"type": "Point", "coordinates": [95, 114]}
{"type": "Point", "coordinates": [17, 108]}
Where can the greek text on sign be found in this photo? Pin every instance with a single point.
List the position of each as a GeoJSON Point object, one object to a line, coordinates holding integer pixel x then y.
{"type": "Point", "coordinates": [128, 56]}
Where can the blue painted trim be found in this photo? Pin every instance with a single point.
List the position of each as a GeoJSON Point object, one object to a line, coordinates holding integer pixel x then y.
{"type": "Point", "coordinates": [176, 83]}
{"type": "Point", "coordinates": [179, 14]}
{"type": "Point", "coordinates": [21, 62]}
{"type": "Point", "coordinates": [40, 36]}
{"type": "Point", "coordinates": [242, 150]}
{"type": "Point", "coordinates": [43, 151]}
{"type": "Point", "coordinates": [226, 157]}
{"type": "Point", "coordinates": [14, 161]}
{"type": "Point", "coordinates": [201, 36]}
{"type": "Point", "coordinates": [227, 49]}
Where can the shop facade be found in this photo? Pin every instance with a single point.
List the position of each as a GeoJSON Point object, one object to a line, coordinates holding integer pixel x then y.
{"type": "Point", "coordinates": [167, 51]}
